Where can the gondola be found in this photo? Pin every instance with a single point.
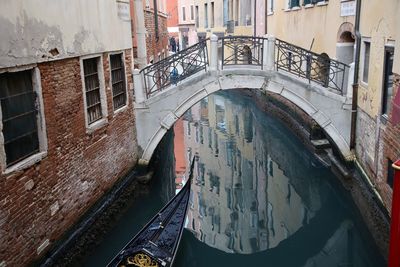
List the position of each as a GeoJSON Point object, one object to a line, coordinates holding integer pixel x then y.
{"type": "Point", "coordinates": [157, 243]}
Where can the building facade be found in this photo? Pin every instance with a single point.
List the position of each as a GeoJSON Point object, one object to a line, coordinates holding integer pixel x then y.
{"type": "Point", "coordinates": [320, 26]}
{"type": "Point", "coordinates": [187, 28]}
{"type": "Point", "coordinates": [67, 127]}
{"type": "Point", "coordinates": [149, 33]}
{"type": "Point", "coordinates": [229, 17]}
{"type": "Point", "coordinates": [172, 19]}
{"type": "Point", "coordinates": [378, 145]}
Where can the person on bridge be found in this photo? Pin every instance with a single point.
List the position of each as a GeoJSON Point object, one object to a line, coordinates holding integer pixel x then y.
{"type": "Point", "coordinates": [172, 43]}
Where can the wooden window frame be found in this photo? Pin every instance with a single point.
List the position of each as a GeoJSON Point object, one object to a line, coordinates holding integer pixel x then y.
{"type": "Point", "coordinates": [122, 56]}
{"type": "Point", "coordinates": [90, 127]}
{"type": "Point", "coordinates": [41, 153]}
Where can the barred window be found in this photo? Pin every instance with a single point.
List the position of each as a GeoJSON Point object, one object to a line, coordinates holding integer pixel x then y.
{"type": "Point", "coordinates": [19, 116]}
{"type": "Point", "coordinates": [92, 89]}
{"type": "Point", "coordinates": [118, 80]}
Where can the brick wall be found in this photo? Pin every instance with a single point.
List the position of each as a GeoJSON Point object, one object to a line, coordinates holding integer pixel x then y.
{"type": "Point", "coordinates": [378, 141]}
{"type": "Point", "coordinates": [391, 149]}
{"type": "Point", "coordinates": [152, 45]}
{"type": "Point", "coordinates": [39, 203]}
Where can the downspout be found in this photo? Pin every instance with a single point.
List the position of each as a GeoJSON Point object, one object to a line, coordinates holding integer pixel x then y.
{"type": "Point", "coordinates": [354, 103]}
{"type": "Point", "coordinates": [155, 19]}
{"type": "Point", "coordinates": [255, 18]}
{"type": "Point", "coordinates": [266, 17]}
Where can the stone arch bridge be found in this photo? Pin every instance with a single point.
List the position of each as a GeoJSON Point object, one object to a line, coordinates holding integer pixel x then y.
{"type": "Point", "coordinates": [318, 85]}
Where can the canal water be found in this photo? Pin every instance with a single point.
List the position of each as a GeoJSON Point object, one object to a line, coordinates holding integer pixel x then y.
{"type": "Point", "coordinates": [259, 197]}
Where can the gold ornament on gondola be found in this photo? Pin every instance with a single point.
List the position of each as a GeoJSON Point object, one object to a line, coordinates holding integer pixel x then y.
{"type": "Point", "coordinates": [142, 260]}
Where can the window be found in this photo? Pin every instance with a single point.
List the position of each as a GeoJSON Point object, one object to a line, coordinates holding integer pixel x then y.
{"type": "Point", "coordinates": [307, 2]}
{"type": "Point", "coordinates": [390, 175]}
{"type": "Point", "coordinates": [367, 48]}
{"type": "Point", "coordinates": [92, 90]}
{"type": "Point", "coordinates": [191, 13]}
{"type": "Point", "coordinates": [197, 16]}
{"type": "Point", "coordinates": [19, 109]}
{"type": "Point", "coordinates": [294, 3]}
{"type": "Point", "coordinates": [387, 81]}
{"type": "Point", "coordinates": [205, 16]}
{"type": "Point", "coordinates": [118, 80]}
{"type": "Point", "coordinates": [183, 14]}
{"type": "Point", "coordinates": [270, 6]}
{"type": "Point", "coordinates": [212, 15]}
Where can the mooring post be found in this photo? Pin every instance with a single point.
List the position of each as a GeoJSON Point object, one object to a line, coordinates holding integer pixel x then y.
{"type": "Point", "coordinates": [138, 86]}
{"type": "Point", "coordinates": [394, 245]}
{"type": "Point", "coordinates": [213, 52]}
{"type": "Point", "coordinates": [269, 53]}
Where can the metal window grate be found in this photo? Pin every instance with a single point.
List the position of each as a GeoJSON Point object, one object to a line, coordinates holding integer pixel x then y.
{"type": "Point", "coordinates": [92, 88]}
{"type": "Point", "coordinates": [19, 116]}
{"type": "Point", "coordinates": [118, 81]}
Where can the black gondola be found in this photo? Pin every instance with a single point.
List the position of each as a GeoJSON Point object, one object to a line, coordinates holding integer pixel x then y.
{"type": "Point", "coordinates": [157, 243]}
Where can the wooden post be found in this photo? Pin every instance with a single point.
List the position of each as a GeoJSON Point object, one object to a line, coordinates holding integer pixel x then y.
{"type": "Point", "coordinates": [394, 245]}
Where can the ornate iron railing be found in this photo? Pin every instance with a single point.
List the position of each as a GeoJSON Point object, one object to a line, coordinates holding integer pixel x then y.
{"type": "Point", "coordinates": [175, 68]}
{"type": "Point", "coordinates": [242, 50]}
{"type": "Point", "coordinates": [315, 67]}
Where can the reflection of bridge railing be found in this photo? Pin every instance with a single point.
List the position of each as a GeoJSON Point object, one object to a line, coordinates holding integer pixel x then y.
{"type": "Point", "coordinates": [264, 52]}
{"type": "Point", "coordinates": [312, 66]}
{"type": "Point", "coordinates": [175, 68]}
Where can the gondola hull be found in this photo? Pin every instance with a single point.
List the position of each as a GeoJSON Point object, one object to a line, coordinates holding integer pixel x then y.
{"type": "Point", "coordinates": [157, 243]}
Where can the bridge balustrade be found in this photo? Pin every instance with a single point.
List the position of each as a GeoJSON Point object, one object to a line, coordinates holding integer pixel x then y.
{"type": "Point", "coordinates": [315, 67]}
{"type": "Point", "coordinates": [267, 53]}
{"type": "Point", "coordinates": [175, 68]}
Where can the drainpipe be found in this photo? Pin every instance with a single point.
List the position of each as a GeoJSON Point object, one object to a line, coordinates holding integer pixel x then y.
{"type": "Point", "coordinates": [394, 244]}
{"type": "Point", "coordinates": [266, 17]}
{"type": "Point", "coordinates": [255, 17]}
{"type": "Point", "coordinates": [155, 20]}
{"type": "Point", "coordinates": [141, 34]}
{"type": "Point", "coordinates": [354, 103]}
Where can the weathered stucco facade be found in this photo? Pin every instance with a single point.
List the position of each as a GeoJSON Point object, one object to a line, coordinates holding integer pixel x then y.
{"type": "Point", "coordinates": [317, 27]}
{"type": "Point", "coordinates": [44, 193]}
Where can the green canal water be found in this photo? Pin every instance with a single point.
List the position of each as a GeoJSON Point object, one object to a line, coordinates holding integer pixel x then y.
{"type": "Point", "coordinates": [259, 197]}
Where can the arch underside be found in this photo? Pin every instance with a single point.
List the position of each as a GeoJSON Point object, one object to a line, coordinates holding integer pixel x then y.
{"type": "Point", "coordinates": [163, 110]}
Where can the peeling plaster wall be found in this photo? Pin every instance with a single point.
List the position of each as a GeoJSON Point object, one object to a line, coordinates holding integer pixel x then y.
{"type": "Point", "coordinates": [30, 29]}
{"type": "Point", "coordinates": [378, 24]}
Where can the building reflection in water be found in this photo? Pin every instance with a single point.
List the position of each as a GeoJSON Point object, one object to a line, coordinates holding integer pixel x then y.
{"type": "Point", "coordinates": [254, 186]}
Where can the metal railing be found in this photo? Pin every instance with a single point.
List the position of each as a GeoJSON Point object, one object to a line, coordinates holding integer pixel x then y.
{"type": "Point", "coordinates": [175, 68]}
{"type": "Point", "coordinates": [315, 67]}
{"type": "Point", "coordinates": [242, 50]}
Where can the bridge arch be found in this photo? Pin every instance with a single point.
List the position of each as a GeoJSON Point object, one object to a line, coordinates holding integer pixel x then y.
{"type": "Point", "coordinates": [159, 113]}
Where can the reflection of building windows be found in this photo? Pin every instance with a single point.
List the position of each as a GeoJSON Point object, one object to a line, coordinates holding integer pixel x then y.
{"type": "Point", "coordinates": [236, 124]}
{"type": "Point", "coordinates": [388, 81]}
{"type": "Point", "coordinates": [209, 138]}
{"type": "Point", "coordinates": [248, 127]}
{"type": "Point", "coordinates": [271, 169]}
{"type": "Point", "coordinates": [216, 149]}
{"type": "Point", "coordinates": [201, 134]}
